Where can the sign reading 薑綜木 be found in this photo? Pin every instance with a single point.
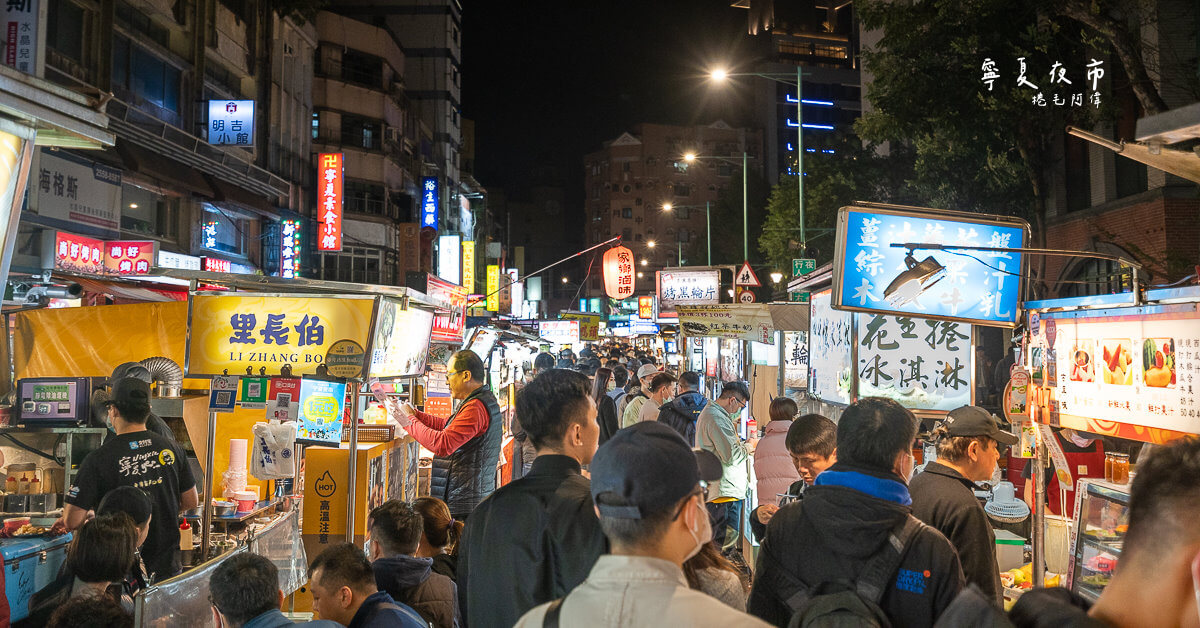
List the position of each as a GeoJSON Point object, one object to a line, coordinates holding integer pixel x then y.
{"type": "Point", "coordinates": [980, 287]}
{"type": "Point", "coordinates": [230, 332]}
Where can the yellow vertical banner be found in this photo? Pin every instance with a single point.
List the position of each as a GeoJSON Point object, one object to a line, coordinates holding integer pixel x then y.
{"type": "Point", "coordinates": [468, 265]}
{"type": "Point", "coordinates": [493, 288]}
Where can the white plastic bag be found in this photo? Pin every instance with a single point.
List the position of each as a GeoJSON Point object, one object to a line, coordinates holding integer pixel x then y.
{"type": "Point", "coordinates": [272, 456]}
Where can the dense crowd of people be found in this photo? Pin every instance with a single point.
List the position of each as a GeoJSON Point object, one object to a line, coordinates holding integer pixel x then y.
{"type": "Point", "coordinates": [627, 511]}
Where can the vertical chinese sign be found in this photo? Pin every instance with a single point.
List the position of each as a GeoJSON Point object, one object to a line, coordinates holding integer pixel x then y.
{"type": "Point", "coordinates": [618, 273]}
{"type": "Point", "coordinates": [493, 288]}
{"type": "Point", "coordinates": [20, 35]}
{"type": "Point", "coordinates": [646, 308]}
{"type": "Point", "coordinates": [289, 251]}
{"type": "Point", "coordinates": [231, 122]}
{"type": "Point", "coordinates": [468, 265]}
{"type": "Point", "coordinates": [429, 202]}
{"type": "Point", "coordinates": [329, 201]}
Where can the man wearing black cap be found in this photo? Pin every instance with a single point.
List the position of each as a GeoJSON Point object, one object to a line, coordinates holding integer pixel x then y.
{"type": "Point", "coordinates": [648, 487]}
{"type": "Point", "coordinates": [139, 458]}
{"type": "Point", "coordinates": [969, 444]}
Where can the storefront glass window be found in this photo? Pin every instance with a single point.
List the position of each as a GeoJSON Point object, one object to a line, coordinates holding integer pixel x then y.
{"type": "Point", "coordinates": [146, 213]}
{"type": "Point", "coordinates": [224, 232]}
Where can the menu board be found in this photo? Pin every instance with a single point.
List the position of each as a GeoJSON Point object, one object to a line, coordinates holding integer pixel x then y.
{"type": "Point", "coordinates": [1138, 369]}
{"type": "Point", "coordinates": [922, 363]}
{"type": "Point", "coordinates": [829, 368]}
{"type": "Point", "coordinates": [401, 340]}
{"type": "Point", "coordinates": [321, 412]}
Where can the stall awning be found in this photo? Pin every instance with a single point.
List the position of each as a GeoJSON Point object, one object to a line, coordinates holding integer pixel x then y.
{"type": "Point", "coordinates": [126, 291]}
{"type": "Point", "coordinates": [61, 116]}
{"type": "Point", "coordinates": [1180, 163]}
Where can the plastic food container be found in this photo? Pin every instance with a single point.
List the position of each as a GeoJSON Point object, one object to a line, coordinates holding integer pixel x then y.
{"type": "Point", "coordinates": [222, 508]}
{"type": "Point", "coordinates": [246, 500]}
{"type": "Point", "coordinates": [13, 524]}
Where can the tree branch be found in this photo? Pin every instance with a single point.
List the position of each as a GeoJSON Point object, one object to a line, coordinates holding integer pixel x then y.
{"type": "Point", "coordinates": [1126, 47]}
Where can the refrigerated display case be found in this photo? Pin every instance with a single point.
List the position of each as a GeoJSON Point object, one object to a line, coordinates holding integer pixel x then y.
{"type": "Point", "coordinates": [1103, 517]}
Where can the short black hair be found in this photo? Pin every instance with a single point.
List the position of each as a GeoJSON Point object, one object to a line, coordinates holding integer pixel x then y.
{"type": "Point", "coordinates": [244, 586]}
{"type": "Point", "coordinates": [130, 500]}
{"type": "Point", "coordinates": [343, 565]}
{"type": "Point", "coordinates": [543, 362]}
{"type": "Point", "coordinates": [1164, 502]}
{"type": "Point", "coordinates": [736, 388]}
{"type": "Point", "coordinates": [396, 527]}
{"type": "Point", "coordinates": [659, 380]}
{"type": "Point", "coordinates": [812, 434]}
{"type": "Point", "coordinates": [467, 360]}
{"type": "Point", "coordinates": [689, 380]}
{"type": "Point", "coordinates": [547, 406]}
{"type": "Point", "coordinates": [637, 532]}
{"type": "Point", "coordinates": [89, 612]}
{"type": "Point", "coordinates": [103, 549]}
{"type": "Point", "coordinates": [873, 431]}
{"type": "Point", "coordinates": [620, 376]}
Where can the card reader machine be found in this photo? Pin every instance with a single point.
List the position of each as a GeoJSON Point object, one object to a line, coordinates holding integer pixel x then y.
{"type": "Point", "coordinates": [53, 401]}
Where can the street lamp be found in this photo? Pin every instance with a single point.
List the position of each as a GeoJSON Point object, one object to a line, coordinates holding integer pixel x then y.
{"type": "Point", "coordinates": [650, 243]}
{"type": "Point", "coordinates": [776, 277]}
{"type": "Point", "coordinates": [690, 157]}
{"type": "Point", "coordinates": [564, 280]}
{"type": "Point", "coordinates": [707, 222]}
{"type": "Point", "coordinates": [719, 75]}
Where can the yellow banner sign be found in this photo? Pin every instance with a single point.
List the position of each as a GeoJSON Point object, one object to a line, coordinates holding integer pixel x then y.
{"type": "Point", "coordinates": [234, 331]}
{"type": "Point", "coordinates": [468, 265]}
{"type": "Point", "coordinates": [493, 288]}
{"type": "Point", "coordinates": [589, 324]}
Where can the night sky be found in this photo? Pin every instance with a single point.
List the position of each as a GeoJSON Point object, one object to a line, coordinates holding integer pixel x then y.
{"type": "Point", "coordinates": [547, 82]}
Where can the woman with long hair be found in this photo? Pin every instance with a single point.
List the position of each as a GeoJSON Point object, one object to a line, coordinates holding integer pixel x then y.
{"type": "Point", "coordinates": [440, 537]}
{"type": "Point", "coordinates": [711, 573]}
{"type": "Point", "coordinates": [606, 407]}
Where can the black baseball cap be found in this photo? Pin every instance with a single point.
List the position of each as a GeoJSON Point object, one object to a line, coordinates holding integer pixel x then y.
{"type": "Point", "coordinates": [647, 468]}
{"type": "Point", "coordinates": [131, 392]}
{"type": "Point", "coordinates": [975, 421]}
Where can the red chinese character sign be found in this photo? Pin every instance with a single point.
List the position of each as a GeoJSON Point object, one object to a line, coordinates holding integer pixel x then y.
{"type": "Point", "coordinates": [329, 201]}
{"type": "Point", "coordinates": [618, 272]}
{"type": "Point", "coordinates": [78, 254]}
{"type": "Point", "coordinates": [128, 257]}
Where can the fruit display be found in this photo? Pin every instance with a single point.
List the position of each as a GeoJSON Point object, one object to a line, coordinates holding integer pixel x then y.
{"type": "Point", "coordinates": [1083, 367]}
{"type": "Point", "coordinates": [1158, 362]}
{"type": "Point", "coordinates": [1114, 367]}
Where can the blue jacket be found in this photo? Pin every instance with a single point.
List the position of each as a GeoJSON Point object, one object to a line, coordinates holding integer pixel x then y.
{"type": "Point", "coordinates": [381, 611]}
{"type": "Point", "coordinates": [681, 414]}
{"type": "Point", "coordinates": [275, 619]}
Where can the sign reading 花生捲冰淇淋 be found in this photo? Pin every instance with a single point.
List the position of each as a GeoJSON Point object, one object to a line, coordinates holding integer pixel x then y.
{"type": "Point", "coordinates": [973, 286]}
{"type": "Point", "coordinates": [230, 332]}
{"type": "Point", "coordinates": [923, 363]}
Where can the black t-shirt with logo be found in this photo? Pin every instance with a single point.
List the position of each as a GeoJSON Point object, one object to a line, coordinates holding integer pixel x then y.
{"type": "Point", "coordinates": [152, 463]}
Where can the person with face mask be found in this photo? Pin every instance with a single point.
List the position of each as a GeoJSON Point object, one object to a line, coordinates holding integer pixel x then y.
{"type": "Point", "coordinates": [969, 444]}
{"type": "Point", "coordinates": [649, 492]}
{"type": "Point", "coordinates": [660, 392]}
{"type": "Point", "coordinates": [855, 525]}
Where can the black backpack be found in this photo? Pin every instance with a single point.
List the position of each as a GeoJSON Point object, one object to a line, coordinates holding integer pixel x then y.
{"type": "Point", "coordinates": [855, 604]}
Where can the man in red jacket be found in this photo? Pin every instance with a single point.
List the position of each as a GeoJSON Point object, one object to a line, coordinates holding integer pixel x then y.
{"type": "Point", "coordinates": [467, 445]}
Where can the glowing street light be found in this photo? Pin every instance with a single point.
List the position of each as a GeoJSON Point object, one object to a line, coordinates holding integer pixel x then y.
{"type": "Point", "coordinates": [564, 280]}
{"type": "Point", "coordinates": [776, 277]}
{"type": "Point", "coordinates": [667, 207]}
{"type": "Point", "coordinates": [645, 262]}
{"type": "Point", "coordinates": [650, 243]}
{"type": "Point", "coordinates": [689, 157]}
{"type": "Point", "coordinates": [719, 75]}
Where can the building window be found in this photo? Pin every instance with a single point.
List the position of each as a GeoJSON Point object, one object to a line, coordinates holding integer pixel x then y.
{"type": "Point", "coordinates": [144, 75]}
{"type": "Point", "coordinates": [364, 198]}
{"type": "Point", "coordinates": [224, 232]}
{"type": "Point", "coordinates": [316, 125]}
{"type": "Point", "coordinates": [64, 29]}
{"type": "Point", "coordinates": [627, 212]}
{"type": "Point", "coordinates": [361, 132]}
{"type": "Point", "coordinates": [627, 233]}
{"type": "Point", "coordinates": [637, 237]}
{"type": "Point", "coordinates": [148, 214]}
{"type": "Point", "coordinates": [683, 236]}
{"type": "Point", "coordinates": [1101, 277]}
{"type": "Point", "coordinates": [682, 190]}
{"type": "Point", "coordinates": [362, 68]}
{"type": "Point", "coordinates": [683, 213]}
{"type": "Point", "coordinates": [358, 265]}
{"type": "Point", "coordinates": [724, 170]}
{"type": "Point", "coordinates": [597, 216]}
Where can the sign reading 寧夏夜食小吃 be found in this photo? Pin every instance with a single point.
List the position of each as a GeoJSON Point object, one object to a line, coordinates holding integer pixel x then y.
{"type": "Point", "coordinates": [974, 286]}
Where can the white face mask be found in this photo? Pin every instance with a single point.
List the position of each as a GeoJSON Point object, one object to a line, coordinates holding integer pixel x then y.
{"type": "Point", "coordinates": [701, 536]}
{"type": "Point", "coordinates": [1196, 583]}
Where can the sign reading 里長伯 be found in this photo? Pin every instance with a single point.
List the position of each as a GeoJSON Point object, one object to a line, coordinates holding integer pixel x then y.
{"type": "Point", "coordinates": [230, 332]}
{"type": "Point", "coordinates": [980, 287]}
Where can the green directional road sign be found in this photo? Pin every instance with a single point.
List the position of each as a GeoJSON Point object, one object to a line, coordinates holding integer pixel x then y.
{"type": "Point", "coordinates": [798, 297]}
{"type": "Point", "coordinates": [801, 267]}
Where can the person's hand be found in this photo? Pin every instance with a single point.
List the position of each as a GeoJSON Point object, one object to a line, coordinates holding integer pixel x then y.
{"type": "Point", "coordinates": [401, 412]}
{"type": "Point", "coordinates": [59, 528]}
{"type": "Point", "coordinates": [765, 512]}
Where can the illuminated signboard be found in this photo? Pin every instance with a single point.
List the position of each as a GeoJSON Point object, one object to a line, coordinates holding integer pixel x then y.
{"type": "Point", "coordinates": [923, 363]}
{"type": "Point", "coordinates": [687, 287]}
{"type": "Point", "coordinates": [429, 202]}
{"type": "Point", "coordinates": [983, 287]}
{"type": "Point", "coordinates": [493, 288]}
{"type": "Point", "coordinates": [468, 265]}
{"type": "Point", "coordinates": [448, 327]}
{"type": "Point", "coordinates": [401, 341]}
{"type": "Point", "coordinates": [646, 307]}
{"type": "Point", "coordinates": [329, 201]}
{"type": "Point", "coordinates": [289, 249]}
{"type": "Point", "coordinates": [449, 258]}
{"type": "Point", "coordinates": [128, 257]}
{"type": "Point", "coordinates": [559, 332]}
{"type": "Point", "coordinates": [217, 265]}
{"type": "Point", "coordinates": [231, 122]}
{"type": "Point", "coordinates": [829, 367]}
{"type": "Point", "coordinates": [78, 254]}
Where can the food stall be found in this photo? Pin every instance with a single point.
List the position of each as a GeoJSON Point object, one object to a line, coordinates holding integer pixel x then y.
{"type": "Point", "coordinates": [249, 360]}
{"type": "Point", "coordinates": [1118, 367]}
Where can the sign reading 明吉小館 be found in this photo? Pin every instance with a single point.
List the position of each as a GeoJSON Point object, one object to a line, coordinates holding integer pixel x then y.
{"type": "Point", "coordinates": [231, 122]}
{"type": "Point", "coordinates": [980, 287]}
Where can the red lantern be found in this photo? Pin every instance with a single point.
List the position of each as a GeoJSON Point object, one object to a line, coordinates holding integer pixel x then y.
{"type": "Point", "coordinates": [618, 272]}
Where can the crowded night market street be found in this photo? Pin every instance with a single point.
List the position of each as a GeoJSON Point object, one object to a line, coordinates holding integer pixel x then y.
{"type": "Point", "coordinates": [714, 313]}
